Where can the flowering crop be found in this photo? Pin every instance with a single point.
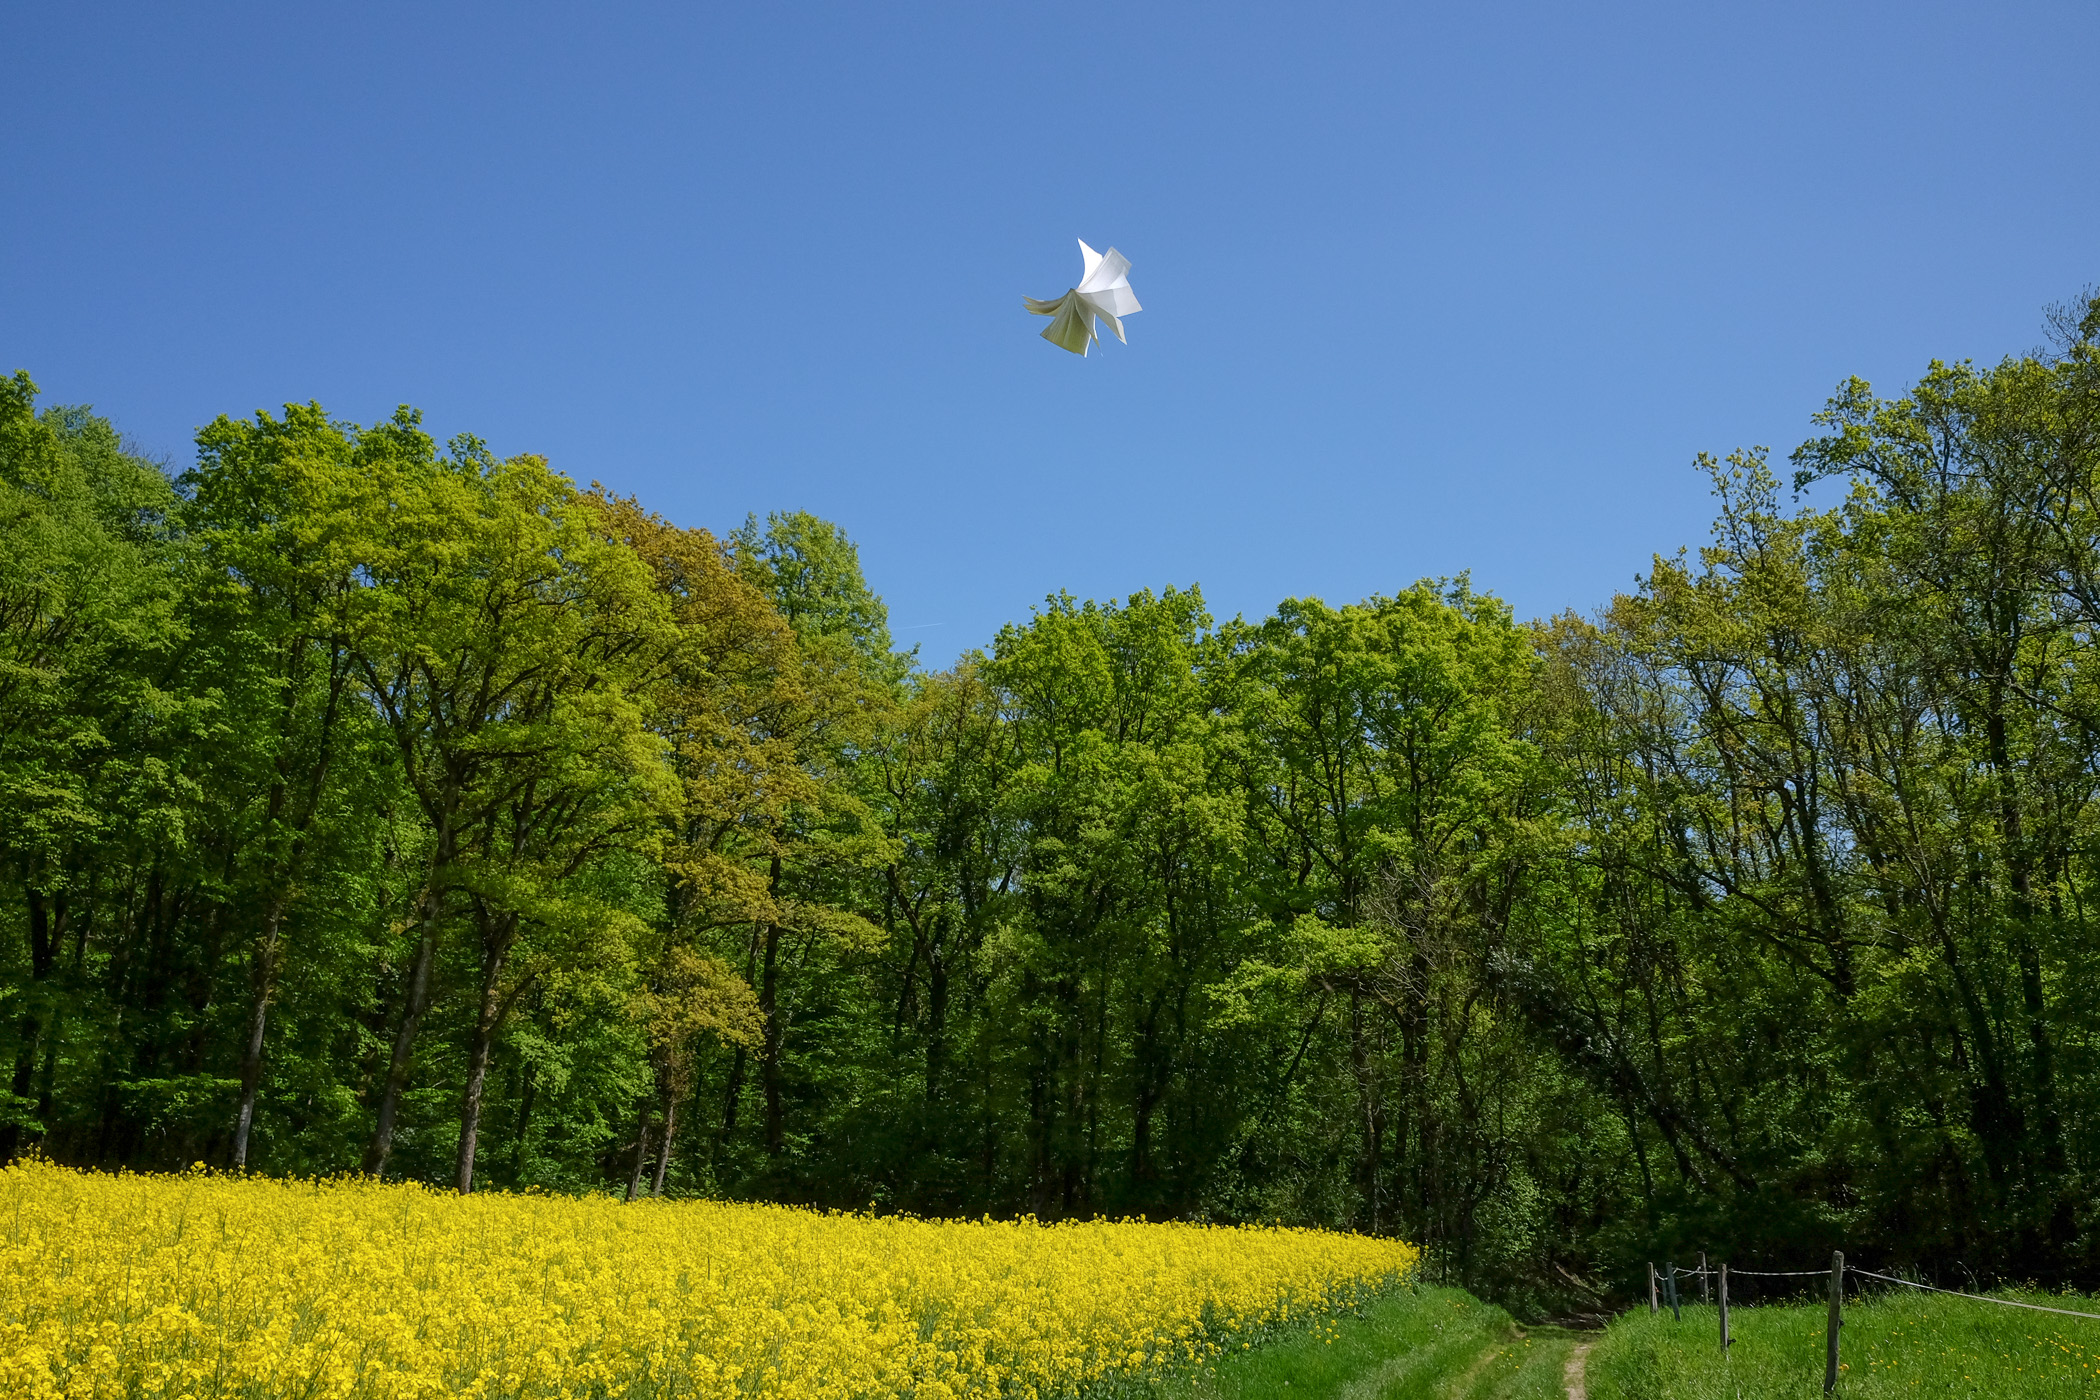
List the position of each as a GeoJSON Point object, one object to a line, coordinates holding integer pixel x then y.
{"type": "Point", "coordinates": [214, 1286]}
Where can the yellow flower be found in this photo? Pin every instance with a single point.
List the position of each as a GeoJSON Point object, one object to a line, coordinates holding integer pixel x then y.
{"type": "Point", "coordinates": [216, 1286]}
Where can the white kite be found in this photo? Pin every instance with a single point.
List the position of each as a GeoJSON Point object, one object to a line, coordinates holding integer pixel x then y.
{"type": "Point", "coordinates": [1104, 291]}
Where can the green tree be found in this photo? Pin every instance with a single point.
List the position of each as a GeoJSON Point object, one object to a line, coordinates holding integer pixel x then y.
{"type": "Point", "coordinates": [1392, 798]}
{"type": "Point", "coordinates": [275, 565]}
{"type": "Point", "coordinates": [817, 835]}
{"type": "Point", "coordinates": [1111, 794]}
{"type": "Point", "coordinates": [507, 643]}
{"type": "Point", "coordinates": [87, 618]}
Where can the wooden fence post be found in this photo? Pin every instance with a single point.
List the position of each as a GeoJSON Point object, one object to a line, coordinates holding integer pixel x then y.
{"type": "Point", "coordinates": [1724, 1312]}
{"type": "Point", "coordinates": [1670, 1288]}
{"type": "Point", "coordinates": [1705, 1295]}
{"type": "Point", "coordinates": [1653, 1306]}
{"type": "Point", "coordinates": [1837, 1301]}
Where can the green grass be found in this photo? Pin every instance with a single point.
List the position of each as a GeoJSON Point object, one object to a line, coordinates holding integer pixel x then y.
{"type": "Point", "coordinates": [1442, 1344]}
{"type": "Point", "coordinates": [1912, 1346]}
{"type": "Point", "coordinates": [1438, 1344]}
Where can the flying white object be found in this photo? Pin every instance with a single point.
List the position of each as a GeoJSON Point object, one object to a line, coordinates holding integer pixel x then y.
{"type": "Point", "coordinates": [1103, 291]}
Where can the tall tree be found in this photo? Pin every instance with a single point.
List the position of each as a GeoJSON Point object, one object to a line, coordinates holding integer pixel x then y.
{"type": "Point", "coordinates": [1389, 783]}
{"type": "Point", "coordinates": [275, 564]}
{"type": "Point", "coordinates": [506, 641]}
{"type": "Point", "coordinates": [87, 617]}
{"type": "Point", "coordinates": [817, 835]}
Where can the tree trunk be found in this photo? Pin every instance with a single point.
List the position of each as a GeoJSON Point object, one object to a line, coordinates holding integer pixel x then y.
{"type": "Point", "coordinates": [45, 931]}
{"type": "Point", "coordinates": [936, 1028]}
{"type": "Point", "coordinates": [258, 1018]}
{"type": "Point", "coordinates": [769, 1007]}
{"type": "Point", "coordinates": [1367, 1108]}
{"type": "Point", "coordinates": [23, 1082]}
{"type": "Point", "coordinates": [498, 933]}
{"type": "Point", "coordinates": [641, 1151]}
{"type": "Point", "coordinates": [733, 1094]}
{"type": "Point", "coordinates": [2042, 1057]}
{"type": "Point", "coordinates": [663, 1153]}
{"type": "Point", "coordinates": [416, 1002]}
{"type": "Point", "coordinates": [1150, 1087]}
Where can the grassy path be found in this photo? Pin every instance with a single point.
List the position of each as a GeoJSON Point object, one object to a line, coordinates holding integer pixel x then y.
{"type": "Point", "coordinates": [1575, 1377]}
{"type": "Point", "coordinates": [1442, 1344]}
{"type": "Point", "coordinates": [1439, 1344]}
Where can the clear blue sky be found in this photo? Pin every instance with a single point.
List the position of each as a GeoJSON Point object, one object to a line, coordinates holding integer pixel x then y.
{"type": "Point", "coordinates": [1426, 288]}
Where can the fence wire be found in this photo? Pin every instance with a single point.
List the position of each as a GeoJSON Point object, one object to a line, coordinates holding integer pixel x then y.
{"type": "Point", "coordinates": [1975, 1297]}
{"type": "Point", "coordinates": [1782, 1273]}
{"type": "Point", "coordinates": [1673, 1271]}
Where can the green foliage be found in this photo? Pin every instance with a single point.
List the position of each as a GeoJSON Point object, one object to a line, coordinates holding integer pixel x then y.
{"type": "Point", "coordinates": [810, 571]}
{"type": "Point", "coordinates": [95, 747]}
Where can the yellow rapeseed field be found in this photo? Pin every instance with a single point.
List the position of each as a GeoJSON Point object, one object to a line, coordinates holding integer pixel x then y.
{"type": "Point", "coordinates": [203, 1285]}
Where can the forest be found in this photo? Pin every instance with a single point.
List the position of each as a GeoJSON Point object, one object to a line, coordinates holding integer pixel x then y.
{"type": "Point", "coordinates": [372, 805]}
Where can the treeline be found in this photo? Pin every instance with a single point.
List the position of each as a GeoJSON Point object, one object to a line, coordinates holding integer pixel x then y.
{"type": "Point", "coordinates": [371, 806]}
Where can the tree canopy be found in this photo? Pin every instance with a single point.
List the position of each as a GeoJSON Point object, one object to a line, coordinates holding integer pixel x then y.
{"type": "Point", "coordinates": [372, 805]}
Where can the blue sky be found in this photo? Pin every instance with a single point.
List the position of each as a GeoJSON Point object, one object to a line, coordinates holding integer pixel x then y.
{"type": "Point", "coordinates": [1426, 288]}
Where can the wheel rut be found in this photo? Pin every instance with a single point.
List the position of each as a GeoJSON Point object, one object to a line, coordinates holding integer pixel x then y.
{"type": "Point", "coordinates": [1576, 1376]}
